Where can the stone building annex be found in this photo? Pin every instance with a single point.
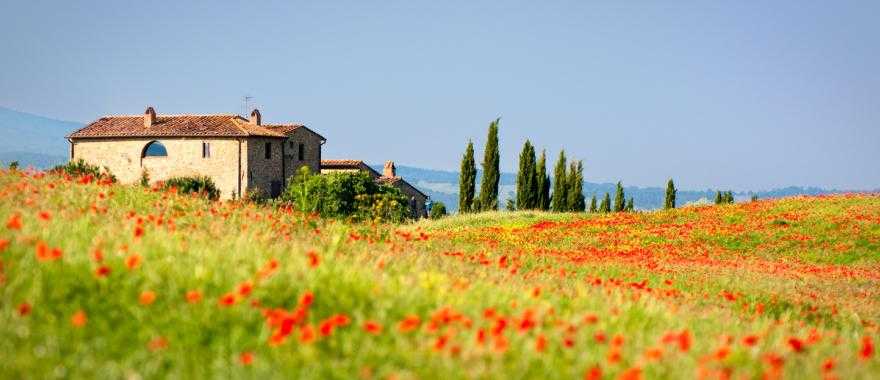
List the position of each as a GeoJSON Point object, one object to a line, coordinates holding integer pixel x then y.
{"type": "Point", "coordinates": [238, 154]}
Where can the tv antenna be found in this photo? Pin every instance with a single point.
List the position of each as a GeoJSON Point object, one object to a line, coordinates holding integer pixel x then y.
{"type": "Point", "coordinates": [246, 104]}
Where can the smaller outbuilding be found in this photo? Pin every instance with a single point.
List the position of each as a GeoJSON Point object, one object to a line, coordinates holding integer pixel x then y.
{"type": "Point", "coordinates": [417, 199]}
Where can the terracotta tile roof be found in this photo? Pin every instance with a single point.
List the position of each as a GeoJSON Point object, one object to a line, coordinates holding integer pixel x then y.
{"type": "Point", "coordinates": [287, 129]}
{"type": "Point", "coordinates": [341, 164]}
{"type": "Point", "coordinates": [394, 180]}
{"type": "Point", "coordinates": [349, 165]}
{"type": "Point", "coordinates": [389, 180]}
{"type": "Point", "coordinates": [216, 125]}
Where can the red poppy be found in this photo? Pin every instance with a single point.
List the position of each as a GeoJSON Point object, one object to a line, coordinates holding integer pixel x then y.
{"type": "Point", "coordinates": [372, 327]}
{"type": "Point", "coordinates": [79, 319]}
{"type": "Point", "coordinates": [614, 356]}
{"type": "Point", "coordinates": [227, 300]}
{"type": "Point", "coordinates": [44, 253]}
{"type": "Point", "coordinates": [634, 373]}
{"type": "Point", "coordinates": [867, 349]}
{"type": "Point", "coordinates": [193, 296]}
{"type": "Point", "coordinates": [97, 255]}
{"type": "Point", "coordinates": [314, 260]}
{"type": "Point", "coordinates": [410, 323]}
{"type": "Point", "coordinates": [540, 343]}
{"type": "Point", "coordinates": [132, 261]}
{"type": "Point", "coordinates": [684, 341]}
{"type": "Point", "coordinates": [245, 288]}
{"type": "Point", "coordinates": [306, 334]}
{"type": "Point", "coordinates": [591, 319]}
{"type": "Point", "coordinates": [440, 342]}
{"type": "Point", "coordinates": [102, 271]}
{"type": "Point", "coordinates": [340, 320]}
{"type": "Point", "coordinates": [45, 216]}
{"type": "Point", "coordinates": [326, 327]}
{"type": "Point", "coordinates": [750, 340]}
{"type": "Point", "coordinates": [306, 299]}
{"type": "Point", "coordinates": [796, 344]}
{"type": "Point", "coordinates": [481, 337]}
{"type": "Point", "coordinates": [594, 373]}
{"type": "Point", "coordinates": [246, 358]}
{"type": "Point", "coordinates": [157, 344]}
{"type": "Point", "coordinates": [14, 222]}
{"type": "Point", "coordinates": [147, 297]}
{"type": "Point", "coordinates": [654, 353]}
{"type": "Point", "coordinates": [24, 309]}
{"type": "Point", "coordinates": [828, 365]}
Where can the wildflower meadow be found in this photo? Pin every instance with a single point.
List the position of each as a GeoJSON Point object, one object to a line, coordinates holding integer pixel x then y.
{"type": "Point", "coordinates": [99, 280]}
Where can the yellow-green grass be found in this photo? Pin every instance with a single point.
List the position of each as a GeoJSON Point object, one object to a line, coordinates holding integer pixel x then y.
{"type": "Point", "coordinates": [798, 270]}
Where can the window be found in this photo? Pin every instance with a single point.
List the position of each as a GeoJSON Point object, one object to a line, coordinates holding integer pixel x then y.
{"type": "Point", "coordinates": [268, 150]}
{"type": "Point", "coordinates": [154, 149]}
{"type": "Point", "coordinates": [206, 150]}
{"type": "Point", "coordinates": [302, 152]}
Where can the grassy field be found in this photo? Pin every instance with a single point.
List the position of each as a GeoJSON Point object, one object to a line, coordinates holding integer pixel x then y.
{"type": "Point", "coordinates": [107, 281]}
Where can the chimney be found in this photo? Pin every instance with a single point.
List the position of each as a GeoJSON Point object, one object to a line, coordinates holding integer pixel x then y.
{"type": "Point", "coordinates": [255, 117]}
{"type": "Point", "coordinates": [149, 117]}
{"type": "Point", "coordinates": [389, 171]}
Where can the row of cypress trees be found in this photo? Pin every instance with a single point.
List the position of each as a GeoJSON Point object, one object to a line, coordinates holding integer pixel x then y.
{"type": "Point", "coordinates": [533, 183]}
{"type": "Point", "coordinates": [723, 197]}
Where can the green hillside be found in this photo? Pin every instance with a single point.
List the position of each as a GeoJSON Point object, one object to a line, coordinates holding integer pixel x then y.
{"type": "Point", "coordinates": [109, 281]}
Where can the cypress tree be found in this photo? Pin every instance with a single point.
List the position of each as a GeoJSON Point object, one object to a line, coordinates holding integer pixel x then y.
{"type": "Point", "coordinates": [631, 204]}
{"type": "Point", "coordinates": [718, 199]}
{"type": "Point", "coordinates": [543, 183]}
{"type": "Point", "coordinates": [576, 187]}
{"type": "Point", "coordinates": [526, 179]}
{"type": "Point", "coordinates": [467, 180]}
{"type": "Point", "coordinates": [619, 198]}
{"type": "Point", "coordinates": [560, 185]}
{"type": "Point", "coordinates": [491, 172]}
{"type": "Point", "coordinates": [670, 195]}
{"type": "Point", "coordinates": [593, 204]}
{"type": "Point", "coordinates": [605, 206]}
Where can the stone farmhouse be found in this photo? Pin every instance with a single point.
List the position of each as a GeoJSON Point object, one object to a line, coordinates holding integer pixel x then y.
{"type": "Point", "coordinates": [238, 154]}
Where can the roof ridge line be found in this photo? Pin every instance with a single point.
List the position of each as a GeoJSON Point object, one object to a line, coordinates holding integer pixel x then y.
{"type": "Point", "coordinates": [174, 115]}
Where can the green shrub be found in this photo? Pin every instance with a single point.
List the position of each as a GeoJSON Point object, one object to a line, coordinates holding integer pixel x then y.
{"type": "Point", "coordinates": [202, 185]}
{"type": "Point", "coordinates": [81, 168]}
{"type": "Point", "coordinates": [438, 210]}
{"type": "Point", "coordinates": [345, 195]}
{"type": "Point", "coordinates": [145, 178]}
{"type": "Point", "coordinates": [256, 195]}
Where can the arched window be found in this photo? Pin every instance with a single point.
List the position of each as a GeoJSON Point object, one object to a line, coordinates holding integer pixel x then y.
{"type": "Point", "coordinates": [154, 149]}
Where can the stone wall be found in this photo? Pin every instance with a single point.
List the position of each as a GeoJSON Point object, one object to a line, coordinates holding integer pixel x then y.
{"type": "Point", "coordinates": [419, 211]}
{"type": "Point", "coordinates": [311, 152]}
{"type": "Point", "coordinates": [262, 173]}
{"type": "Point", "coordinates": [123, 158]}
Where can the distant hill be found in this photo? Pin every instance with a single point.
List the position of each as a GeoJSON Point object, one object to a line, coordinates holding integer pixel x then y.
{"type": "Point", "coordinates": [33, 140]}
{"type": "Point", "coordinates": [443, 186]}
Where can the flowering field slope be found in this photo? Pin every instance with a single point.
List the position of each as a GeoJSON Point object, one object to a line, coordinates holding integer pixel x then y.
{"type": "Point", "coordinates": [107, 281]}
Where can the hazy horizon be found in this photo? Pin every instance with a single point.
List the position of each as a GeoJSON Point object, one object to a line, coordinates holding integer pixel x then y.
{"type": "Point", "coordinates": [739, 96]}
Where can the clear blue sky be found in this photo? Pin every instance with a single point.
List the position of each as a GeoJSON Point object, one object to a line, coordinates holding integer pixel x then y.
{"type": "Point", "coordinates": [737, 94]}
